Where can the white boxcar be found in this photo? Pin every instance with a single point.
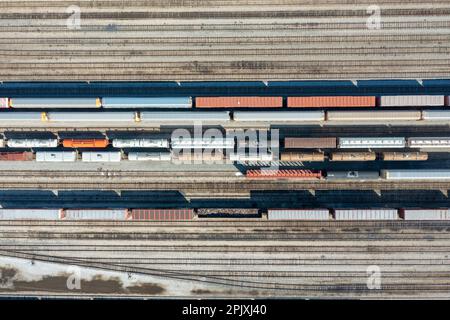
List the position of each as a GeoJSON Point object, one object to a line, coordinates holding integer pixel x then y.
{"type": "Point", "coordinates": [56, 156]}
{"type": "Point", "coordinates": [94, 214]}
{"type": "Point", "coordinates": [374, 116]}
{"type": "Point", "coordinates": [435, 115]}
{"type": "Point", "coordinates": [29, 214]}
{"type": "Point", "coordinates": [426, 214]}
{"type": "Point", "coordinates": [32, 143]}
{"type": "Point", "coordinates": [4, 103]}
{"type": "Point", "coordinates": [147, 102]}
{"type": "Point", "coordinates": [251, 157]}
{"type": "Point", "coordinates": [429, 142]}
{"type": "Point", "coordinates": [366, 214]}
{"type": "Point", "coordinates": [101, 156]}
{"type": "Point", "coordinates": [14, 116]}
{"type": "Point", "coordinates": [126, 117]}
{"type": "Point", "coordinates": [55, 103]}
{"type": "Point", "coordinates": [185, 116]}
{"type": "Point", "coordinates": [140, 143]}
{"type": "Point", "coordinates": [205, 143]}
{"type": "Point", "coordinates": [2, 143]}
{"type": "Point", "coordinates": [366, 143]}
{"type": "Point", "coordinates": [416, 174]}
{"type": "Point", "coordinates": [412, 101]}
{"type": "Point", "coordinates": [298, 214]}
{"type": "Point", "coordinates": [279, 116]}
{"type": "Point", "coordinates": [149, 156]}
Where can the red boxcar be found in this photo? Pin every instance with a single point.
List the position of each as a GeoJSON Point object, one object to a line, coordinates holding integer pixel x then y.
{"type": "Point", "coordinates": [16, 156]}
{"type": "Point", "coordinates": [85, 143]}
{"type": "Point", "coordinates": [266, 174]}
{"type": "Point", "coordinates": [330, 102]}
{"type": "Point", "coordinates": [239, 102]}
{"type": "Point", "coordinates": [161, 214]}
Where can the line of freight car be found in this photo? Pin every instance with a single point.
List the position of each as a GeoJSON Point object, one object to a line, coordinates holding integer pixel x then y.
{"type": "Point", "coordinates": [385, 214]}
{"type": "Point", "coordinates": [359, 214]}
{"type": "Point", "coordinates": [220, 117]}
{"type": "Point", "coordinates": [229, 102]}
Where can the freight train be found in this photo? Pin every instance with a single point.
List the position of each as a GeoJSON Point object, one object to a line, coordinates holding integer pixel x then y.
{"type": "Point", "coordinates": [186, 214]}
{"type": "Point", "coordinates": [112, 118]}
{"type": "Point", "coordinates": [228, 102]}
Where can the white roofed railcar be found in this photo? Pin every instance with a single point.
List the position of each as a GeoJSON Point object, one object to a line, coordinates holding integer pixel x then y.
{"type": "Point", "coordinates": [374, 116]}
{"type": "Point", "coordinates": [185, 116]}
{"type": "Point", "coordinates": [429, 142]}
{"type": "Point", "coordinates": [101, 156]}
{"type": "Point", "coordinates": [147, 102]}
{"type": "Point", "coordinates": [251, 156]}
{"type": "Point", "coordinates": [149, 156]}
{"type": "Point", "coordinates": [418, 174]}
{"type": "Point", "coordinates": [94, 214]}
{"type": "Point", "coordinates": [2, 143]}
{"type": "Point", "coordinates": [30, 214]}
{"type": "Point", "coordinates": [366, 143]}
{"type": "Point", "coordinates": [435, 115]}
{"type": "Point", "coordinates": [426, 214]}
{"type": "Point", "coordinates": [42, 103]}
{"type": "Point", "coordinates": [205, 143]}
{"type": "Point", "coordinates": [98, 116]}
{"type": "Point", "coordinates": [32, 143]}
{"type": "Point", "coordinates": [279, 116]}
{"type": "Point", "coordinates": [298, 214]}
{"type": "Point", "coordinates": [140, 143]}
{"type": "Point", "coordinates": [366, 214]}
{"type": "Point", "coordinates": [56, 156]}
{"type": "Point", "coordinates": [412, 101]}
{"type": "Point", "coordinates": [15, 116]}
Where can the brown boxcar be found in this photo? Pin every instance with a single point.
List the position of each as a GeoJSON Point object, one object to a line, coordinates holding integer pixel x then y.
{"type": "Point", "coordinates": [310, 143]}
{"type": "Point", "coordinates": [353, 156]}
{"type": "Point", "coordinates": [85, 143]}
{"type": "Point", "coordinates": [16, 156]}
{"type": "Point", "coordinates": [331, 102]}
{"type": "Point", "coordinates": [160, 214]}
{"type": "Point", "coordinates": [405, 156]}
{"type": "Point", "coordinates": [239, 102]}
{"type": "Point", "coordinates": [303, 156]}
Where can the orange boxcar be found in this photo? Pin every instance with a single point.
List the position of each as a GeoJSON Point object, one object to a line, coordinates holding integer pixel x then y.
{"type": "Point", "coordinates": [85, 143]}
{"type": "Point", "coordinates": [239, 102]}
{"type": "Point", "coordinates": [330, 102]}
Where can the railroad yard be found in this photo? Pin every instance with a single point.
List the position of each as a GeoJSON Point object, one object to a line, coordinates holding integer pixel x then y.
{"type": "Point", "coordinates": [225, 149]}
